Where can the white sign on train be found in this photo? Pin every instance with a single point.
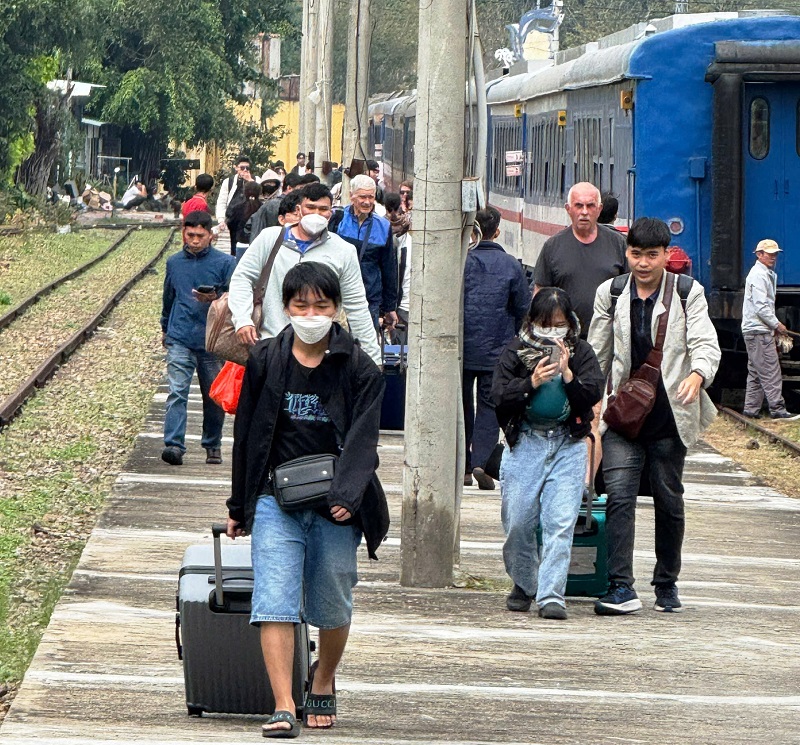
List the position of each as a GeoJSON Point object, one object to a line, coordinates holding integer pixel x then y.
{"type": "Point", "coordinates": [513, 156]}
{"type": "Point", "coordinates": [514, 170]}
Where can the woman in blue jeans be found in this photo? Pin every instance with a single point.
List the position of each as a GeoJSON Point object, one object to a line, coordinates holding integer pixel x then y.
{"type": "Point", "coordinates": [545, 384]}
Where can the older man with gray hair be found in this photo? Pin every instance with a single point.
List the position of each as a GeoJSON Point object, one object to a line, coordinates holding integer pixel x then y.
{"type": "Point", "coordinates": [372, 237]}
{"type": "Point", "coordinates": [760, 326]}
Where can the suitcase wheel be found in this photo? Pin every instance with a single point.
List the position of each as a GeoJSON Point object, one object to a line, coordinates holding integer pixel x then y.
{"type": "Point", "coordinates": [195, 711]}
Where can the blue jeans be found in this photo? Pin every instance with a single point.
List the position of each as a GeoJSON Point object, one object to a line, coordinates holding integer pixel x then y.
{"type": "Point", "coordinates": [480, 423]}
{"type": "Point", "coordinates": [623, 463]}
{"type": "Point", "coordinates": [541, 480]}
{"type": "Point", "coordinates": [181, 365]}
{"type": "Point", "coordinates": [302, 563]}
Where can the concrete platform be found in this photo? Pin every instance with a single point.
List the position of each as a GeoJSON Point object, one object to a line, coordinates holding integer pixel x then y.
{"type": "Point", "coordinates": [449, 666]}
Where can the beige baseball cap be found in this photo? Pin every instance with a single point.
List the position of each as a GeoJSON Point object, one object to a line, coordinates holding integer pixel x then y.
{"type": "Point", "coordinates": [768, 246]}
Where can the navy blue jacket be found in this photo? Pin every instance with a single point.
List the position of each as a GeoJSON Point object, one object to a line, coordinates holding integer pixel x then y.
{"type": "Point", "coordinates": [496, 299]}
{"type": "Point", "coordinates": [183, 318]}
{"type": "Point", "coordinates": [378, 258]}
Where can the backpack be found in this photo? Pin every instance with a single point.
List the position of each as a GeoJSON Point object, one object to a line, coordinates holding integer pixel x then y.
{"type": "Point", "coordinates": [683, 286]}
{"type": "Point", "coordinates": [235, 201]}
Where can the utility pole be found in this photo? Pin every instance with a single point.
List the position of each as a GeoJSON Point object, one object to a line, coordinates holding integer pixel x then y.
{"type": "Point", "coordinates": [322, 129]}
{"type": "Point", "coordinates": [308, 74]}
{"type": "Point", "coordinates": [356, 114]}
{"type": "Point", "coordinates": [433, 474]}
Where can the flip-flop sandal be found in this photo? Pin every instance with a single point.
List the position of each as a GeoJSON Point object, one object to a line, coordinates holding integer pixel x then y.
{"type": "Point", "coordinates": [318, 704]}
{"type": "Point", "coordinates": [278, 717]}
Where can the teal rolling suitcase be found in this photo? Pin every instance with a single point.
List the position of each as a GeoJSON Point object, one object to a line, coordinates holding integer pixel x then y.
{"type": "Point", "coordinates": [588, 567]}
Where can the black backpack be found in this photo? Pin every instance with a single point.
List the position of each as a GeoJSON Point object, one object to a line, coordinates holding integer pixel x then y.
{"type": "Point", "coordinates": [236, 200]}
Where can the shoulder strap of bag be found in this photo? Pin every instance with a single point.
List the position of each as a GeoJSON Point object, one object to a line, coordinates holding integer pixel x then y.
{"type": "Point", "coordinates": [366, 237]}
{"type": "Point", "coordinates": [260, 288]}
{"type": "Point", "coordinates": [657, 352]}
{"type": "Point", "coordinates": [617, 286]}
{"type": "Point", "coordinates": [685, 283]}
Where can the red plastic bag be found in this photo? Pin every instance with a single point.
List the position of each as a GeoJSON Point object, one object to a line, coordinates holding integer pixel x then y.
{"type": "Point", "coordinates": [227, 386]}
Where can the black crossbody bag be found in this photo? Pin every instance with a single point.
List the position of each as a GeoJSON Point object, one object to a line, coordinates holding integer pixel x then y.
{"type": "Point", "coordinates": [304, 483]}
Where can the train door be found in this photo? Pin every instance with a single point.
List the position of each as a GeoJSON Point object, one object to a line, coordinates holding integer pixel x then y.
{"type": "Point", "coordinates": [771, 141]}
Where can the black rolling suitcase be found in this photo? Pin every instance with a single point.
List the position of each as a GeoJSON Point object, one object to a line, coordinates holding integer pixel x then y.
{"type": "Point", "coordinates": [393, 408]}
{"type": "Point", "coordinates": [223, 666]}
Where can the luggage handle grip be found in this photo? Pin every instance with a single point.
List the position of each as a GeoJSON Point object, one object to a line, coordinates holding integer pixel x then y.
{"type": "Point", "coordinates": [218, 529]}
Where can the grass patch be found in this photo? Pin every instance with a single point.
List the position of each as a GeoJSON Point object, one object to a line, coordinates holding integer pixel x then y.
{"type": "Point", "coordinates": [59, 460]}
{"type": "Point", "coordinates": [5, 298]}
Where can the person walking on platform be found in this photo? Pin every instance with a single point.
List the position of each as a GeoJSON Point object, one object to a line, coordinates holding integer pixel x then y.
{"type": "Point", "coordinates": [199, 201]}
{"type": "Point", "coordinates": [496, 299]}
{"type": "Point", "coordinates": [578, 260]}
{"type": "Point", "coordinates": [759, 327]}
{"type": "Point", "coordinates": [545, 384]}
{"type": "Point", "coordinates": [309, 391]}
{"type": "Point", "coordinates": [228, 192]}
{"type": "Point", "coordinates": [651, 313]}
{"type": "Point", "coordinates": [239, 218]}
{"type": "Point", "coordinates": [194, 278]}
{"type": "Point", "coordinates": [371, 235]}
{"type": "Point", "coordinates": [307, 240]}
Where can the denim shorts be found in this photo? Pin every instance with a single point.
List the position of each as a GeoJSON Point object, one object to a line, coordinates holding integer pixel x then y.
{"type": "Point", "coordinates": [303, 565]}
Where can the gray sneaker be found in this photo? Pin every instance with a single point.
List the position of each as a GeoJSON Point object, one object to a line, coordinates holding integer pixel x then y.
{"type": "Point", "coordinates": [553, 612]}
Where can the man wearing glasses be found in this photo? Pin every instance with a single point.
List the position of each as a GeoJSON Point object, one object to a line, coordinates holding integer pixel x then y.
{"type": "Point", "coordinates": [230, 186]}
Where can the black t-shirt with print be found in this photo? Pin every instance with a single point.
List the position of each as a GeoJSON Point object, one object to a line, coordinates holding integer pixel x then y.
{"type": "Point", "coordinates": [303, 426]}
{"type": "Point", "coordinates": [580, 268]}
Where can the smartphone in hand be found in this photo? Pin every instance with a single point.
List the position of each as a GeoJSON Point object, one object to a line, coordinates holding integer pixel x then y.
{"type": "Point", "coordinates": [206, 289]}
{"type": "Point", "coordinates": [555, 355]}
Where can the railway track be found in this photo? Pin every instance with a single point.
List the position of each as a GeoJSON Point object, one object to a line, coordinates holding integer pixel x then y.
{"type": "Point", "coordinates": [11, 404]}
{"type": "Point", "coordinates": [791, 447]}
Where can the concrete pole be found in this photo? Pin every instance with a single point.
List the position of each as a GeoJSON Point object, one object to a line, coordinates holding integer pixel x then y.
{"type": "Point", "coordinates": [308, 74]}
{"type": "Point", "coordinates": [356, 115]}
{"type": "Point", "coordinates": [432, 474]}
{"type": "Point", "coordinates": [322, 129]}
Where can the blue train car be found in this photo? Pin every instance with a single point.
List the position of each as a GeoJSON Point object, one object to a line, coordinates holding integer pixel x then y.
{"type": "Point", "coordinates": [694, 119]}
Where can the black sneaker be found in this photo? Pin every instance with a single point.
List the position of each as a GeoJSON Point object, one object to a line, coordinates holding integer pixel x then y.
{"type": "Point", "coordinates": [518, 600]}
{"type": "Point", "coordinates": [667, 600]}
{"type": "Point", "coordinates": [553, 611]}
{"type": "Point", "coordinates": [173, 455]}
{"type": "Point", "coordinates": [485, 481]}
{"type": "Point", "coordinates": [467, 479]}
{"type": "Point", "coordinates": [213, 456]}
{"type": "Point", "coordinates": [620, 600]}
{"type": "Point", "coordinates": [751, 414]}
{"type": "Point", "coordinates": [785, 415]}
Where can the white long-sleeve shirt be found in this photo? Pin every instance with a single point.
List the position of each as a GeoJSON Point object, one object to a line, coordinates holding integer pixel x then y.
{"type": "Point", "coordinates": [328, 249]}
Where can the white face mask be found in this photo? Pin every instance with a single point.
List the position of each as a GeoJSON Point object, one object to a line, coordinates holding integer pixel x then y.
{"type": "Point", "coordinates": [550, 332]}
{"type": "Point", "coordinates": [311, 329]}
{"type": "Point", "coordinates": [313, 224]}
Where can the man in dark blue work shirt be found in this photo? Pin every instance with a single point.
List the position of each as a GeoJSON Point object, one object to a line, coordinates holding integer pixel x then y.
{"type": "Point", "coordinates": [371, 234]}
{"type": "Point", "coordinates": [195, 277]}
{"type": "Point", "coordinates": [496, 299]}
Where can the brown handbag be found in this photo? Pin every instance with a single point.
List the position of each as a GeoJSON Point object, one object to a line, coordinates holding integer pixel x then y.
{"type": "Point", "coordinates": [629, 407]}
{"type": "Point", "coordinates": [221, 339]}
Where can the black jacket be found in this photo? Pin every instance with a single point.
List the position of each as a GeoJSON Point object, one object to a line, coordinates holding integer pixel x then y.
{"type": "Point", "coordinates": [351, 391]}
{"type": "Point", "coordinates": [512, 389]}
{"type": "Point", "coordinates": [496, 299]}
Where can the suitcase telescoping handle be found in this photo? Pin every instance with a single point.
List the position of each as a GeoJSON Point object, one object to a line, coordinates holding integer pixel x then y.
{"type": "Point", "coordinates": [587, 525]}
{"type": "Point", "coordinates": [218, 529]}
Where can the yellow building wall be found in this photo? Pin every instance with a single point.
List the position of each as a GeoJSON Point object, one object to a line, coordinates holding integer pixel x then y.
{"type": "Point", "coordinates": [288, 115]}
{"type": "Point", "coordinates": [211, 156]}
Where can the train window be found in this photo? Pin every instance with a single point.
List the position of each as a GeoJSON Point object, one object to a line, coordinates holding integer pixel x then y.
{"type": "Point", "coordinates": [797, 128]}
{"type": "Point", "coordinates": [759, 128]}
